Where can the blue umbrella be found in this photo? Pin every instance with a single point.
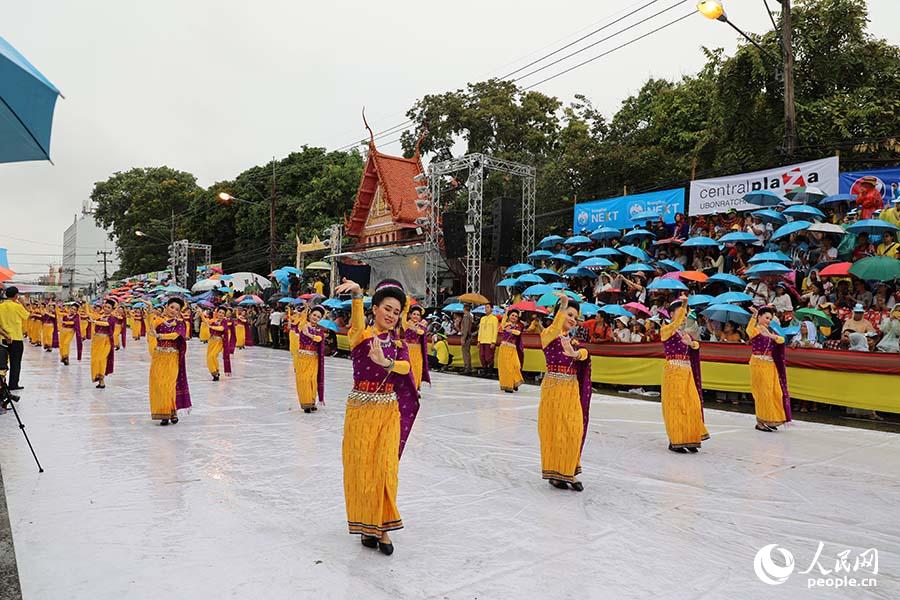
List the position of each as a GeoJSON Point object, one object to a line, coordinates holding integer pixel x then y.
{"type": "Point", "coordinates": [606, 252]}
{"type": "Point", "coordinates": [247, 302]}
{"type": "Point", "coordinates": [27, 99]}
{"type": "Point", "coordinates": [332, 303]}
{"type": "Point", "coordinates": [698, 300]}
{"type": "Point", "coordinates": [225, 290]}
{"type": "Point", "coordinates": [670, 265]}
{"type": "Point", "coordinates": [777, 256]}
{"type": "Point", "coordinates": [739, 236]}
{"type": "Point", "coordinates": [596, 263]}
{"type": "Point", "coordinates": [644, 215]}
{"type": "Point", "coordinates": [280, 275]}
{"type": "Point", "coordinates": [577, 240]}
{"type": "Point", "coordinates": [770, 216]}
{"type": "Point", "coordinates": [582, 254]}
{"type": "Point", "coordinates": [615, 310]}
{"type": "Point", "coordinates": [455, 307]}
{"type": "Point", "coordinates": [872, 227]}
{"type": "Point", "coordinates": [809, 195]}
{"type": "Point", "coordinates": [328, 324]}
{"type": "Point", "coordinates": [605, 233]}
{"type": "Point", "coordinates": [547, 273]}
{"type": "Point", "coordinates": [838, 198]}
{"type": "Point", "coordinates": [762, 198]}
{"type": "Point", "coordinates": [667, 284]}
{"type": "Point", "coordinates": [728, 279]}
{"type": "Point", "coordinates": [348, 304]}
{"type": "Point", "coordinates": [579, 272]}
{"type": "Point", "coordinates": [482, 309]}
{"type": "Point", "coordinates": [589, 309]}
{"type": "Point", "coordinates": [563, 257]}
{"type": "Point", "coordinates": [785, 332]}
{"type": "Point", "coordinates": [529, 278]}
{"type": "Point", "coordinates": [699, 241]}
{"type": "Point", "coordinates": [290, 269]}
{"type": "Point", "coordinates": [733, 298]}
{"type": "Point", "coordinates": [803, 211]}
{"type": "Point", "coordinates": [298, 301]}
{"type": "Point", "coordinates": [226, 277]}
{"type": "Point", "coordinates": [519, 268]}
{"type": "Point", "coordinates": [727, 312]}
{"type": "Point", "coordinates": [539, 254]}
{"type": "Point", "coordinates": [550, 300]}
{"type": "Point", "coordinates": [288, 300]}
{"type": "Point", "coordinates": [634, 252]}
{"type": "Point", "coordinates": [509, 282]}
{"type": "Point", "coordinates": [550, 241]}
{"type": "Point", "coordinates": [636, 268]}
{"type": "Point", "coordinates": [792, 227]}
{"type": "Point", "coordinates": [637, 234]}
{"type": "Point", "coordinates": [174, 289]}
{"type": "Point", "coordinates": [559, 285]}
{"type": "Point", "coordinates": [537, 290]}
{"type": "Point", "coordinates": [768, 268]}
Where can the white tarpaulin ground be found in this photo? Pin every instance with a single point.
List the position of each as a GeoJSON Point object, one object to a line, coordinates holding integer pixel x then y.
{"type": "Point", "coordinates": [244, 498]}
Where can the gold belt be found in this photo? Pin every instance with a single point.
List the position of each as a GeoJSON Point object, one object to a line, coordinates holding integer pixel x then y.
{"type": "Point", "coordinates": [560, 376]}
{"type": "Point", "coordinates": [685, 364]}
{"type": "Point", "coordinates": [358, 398]}
{"type": "Point", "coordinates": [215, 337]}
{"type": "Point", "coordinates": [765, 357]}
{"type": "Point", "coordinates": [307, 352]}
{"type": "Point", "coordinates": [166, 349]}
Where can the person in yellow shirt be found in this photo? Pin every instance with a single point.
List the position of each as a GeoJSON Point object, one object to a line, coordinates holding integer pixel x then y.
{"type": "Point", "coordinates": [488, 327]}
{"type": "Point", "coordinates": [319, 287]}
{"type": "Point", "coordinates": [892, 214]}
{"type": "Point", "coordinates": [12, 318]}
{"type": "Point", "coordinates": [889, 245]}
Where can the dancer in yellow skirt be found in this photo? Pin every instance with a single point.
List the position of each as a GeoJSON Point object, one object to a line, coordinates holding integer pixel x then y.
{"type": "Point", "coordinates": [682, 392]}
{"type": "Point", "coordinates": [102, 354]}
{"type": "Point", "coordinates": [49, 331]}
{"type": "Point", "coordinates": [309, 362]}
{"type": "Point", "coordinates": [169, 390]}
{"type": "Point", "coordinates": [565, 399]}
{"type": "Point", "coordinates": [218, 338]}
{"type": "Point", "coordinates": [240, 328]}
{"type": "Point", "coordinates": [511, 352]}
{"type": "Point", "coordinates": [417, 343]}
{"type": "Point", "coordinates": [69, 329]}
{"type": "Point", "coordinates": [768, 376]}
{"type": "Point", "coordinates": [204, 327]}
{"type": "Point", "coordinates": [380, 413]}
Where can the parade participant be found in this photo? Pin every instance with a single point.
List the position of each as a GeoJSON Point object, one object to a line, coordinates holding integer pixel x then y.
{"type": "Point", "coordinates": [84, 317]}
{"type": "Point", "coordinates": [240, 328]}
{"type": "Point", "coordinates": [487, 338]}
{"type": "Point", "coordinates": [102, 354]}
{"type": "Point", "coordinates": [218, 343]}
{"type": "Point", "coordinates": [49, 330]}
{"type": "Point", "coordinates": [13, 316]}
{"type": "Point", "coordinates": [148, 323]}
{"type": "Point", "coordinates": [380, 412]}
{"type": "Point", "coordinates": [682, 393]}
{"type": "Point", "coordinates": [138, 324]}
{"type": "Point", "coordinates": [119, 336]}
{"type": "Point", "coordinates": [231, 340]}
{"type": "Point", "coordinates": [204, 327]}
{"type": "Point", "coordinates": [768, 376]}
{"type": "Point", "coordinates": [565, 399]}
{"type": "Point", "coordinates": [248, 326]}
{"type": "Point", "coordinates": [35, 324]}
{"type": "Point", "coordinates": [188, 318]}
{"type": "Point", "coordinates": [69, 325]}
{"type": "Point", "coordinates": [169, 390]}
{"type": "Point", "coordinates": [511, 354]}
{"type": "Point", "coordinates": [414, 335]}
{"type": "Point", "coordinates": [293, 327]}
{"type": "Point", "coordinates": [309, 364]}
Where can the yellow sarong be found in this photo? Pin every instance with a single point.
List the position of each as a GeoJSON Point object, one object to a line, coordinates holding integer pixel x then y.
{"type": "Point", "coordinates": [509, 368]}
{"type": "Point", "coordinates": [306, 376]}
{"type": "Point", "coordinates": [766, 388]}
{"type": "Point", "coordinates": [560, 428]}
{"type": "Point", "coordinates": [65, 341]}
{"type": "Point", "coordinates": [415, 363]}
{"type": "Point", "coordinates": [213, 350]}
{"type": "Point", "coordinates": [163, 376]}
{"type": "Point", "coordinates": [100, 349]}
{"type": "Point", "coordinates": [681, 408]}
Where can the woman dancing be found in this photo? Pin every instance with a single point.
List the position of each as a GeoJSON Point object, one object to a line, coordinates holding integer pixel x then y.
{"type": "Point", "coordinates": [69, 325]}
{"type": "Point", "coordinates": [768, 375]}
{"type": "Point", "coordinates": [511, 354]}
{"type": "Point", "coordinates": [309, 364]}
{"type": "Point", "coordinates": [416, 341]}
{"type": "Point", "coordinates": [102, 355]}
{"type": "Point", "coordinates": [218, 344]}
{"type": "Point", "coordinates": [169, 391]}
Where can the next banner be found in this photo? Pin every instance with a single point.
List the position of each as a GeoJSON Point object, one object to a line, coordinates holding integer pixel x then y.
{"type": "Point", "coordinates": [616, 212]}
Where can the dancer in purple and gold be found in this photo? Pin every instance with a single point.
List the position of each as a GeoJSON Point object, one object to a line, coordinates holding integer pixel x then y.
{"type": "Point", "coordinates": [768, 375]}
{"type": "Point", "coordinates": [309, 364]}
{"type": "Point", "coordinates": [682, 392]}
{"type": "Point", "coordinates": [169, 390]}
{"type": "Point", "coordinates": [417, 343]}
{"type": "Point", "coordinates": [49, 330]}
{"type": "Point", "coordinates": [102, 353]}
{"type": "Point", "coordinates": [69, 328]}
{"type": "Point", "coordinates": [218, 343]}
{"type": "Point", "coordinates": [511, 353]}
{"type": "Point", "coordinates": [565, 399]}
{"type": "Point", "coordinates": [380, 413]}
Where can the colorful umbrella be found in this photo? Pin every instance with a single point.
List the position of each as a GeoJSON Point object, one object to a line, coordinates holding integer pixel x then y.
{"type": "Point", "coordinates": [638, 234]}
{"type": "Point", "coordinates": [319, 265]}
{"type": "Point", "coordinates": [777, 256]}
{"type": "Point", "coordinates": [559, 285]}
{"type": "Point", "coordinates": [329, 324]}
{"type": "Point", "coordinates": [872, 227]}
{"type": "Point", "coordinates": [519, 268]}
{"type": "Point", "coordinates": [767, 268]}
{"type": "Point", "coordinates": [698, 300]}
{"type": "Point", "coordinates": [803, 211]}
{"type": "Point", "coordinates": [547, 274]}
{"type": "Point", "coordinates": [732, 298]}
{"type": "Point", "coordinates": [582, 254]}
{"type": "Point", "coordinates": [455, 307]}
{"type": "Point", "coordinates": [727, 312]}
{"type": "Point", "coordinates": [644, 216]}
{"type": "Point", "coordinates": [539, 254]}
{"type": "Point", "coordinates": [813, 314]}
{"type": "Point", "coordinates": [670, 265]}
{"type": "Point", "coordinates": [615, 310]}
{"type": "Point", "coordinates": [879, 268]}
{"type": "Point", "coordinates": [332, 303]}
{"type": "Point", "coordinates": [529, 278]}
{"type": "Point", "coordinates": [728, 279]}
{"type": "Point", "coordinates": [537, 290]}
{"type": "Point", "coordinates": [634, 252]}
{"type": "Point", "coordinates": [768, 215]}
{"type": "Point", "coordinates": [579, 272]}
{"type": "Point", "coordinates": [596, 263]}
{"type": "Point", "coordinates": [577, 240]}
{"type": "Point", "coordinates": [528, 306]}
{"type": "Point", "coordinates": [827, 228]}
{"type": "Point", "coordinates": [473, 298]}
{"type": "Point", "coordinates": [290, 269]}
{"type": "Point", "coordinates": [636, 307]}
{"type": "Point", "coordinates": [840, 269]}
{"type": "Point", "coordinates": [550, 241]}
{"type": "Point", "coordinates": [744, 237]}
{"type": "Point", "coordinates": [636, 268]}
{"type": "Point", "coordinates": [605, 233]}
{"type": "Point", "coordinates": [509, 282]}
{"type": "Point", "coordinates": [762, 198]}
{"type": "Point", "coordinates": [809, 195]}
{"type": "Point", "coordinates": [700, 241]}
{"type": "Point", "coordinates": [838, 198]}
{"type": "Point", "coordinates": [606, 252]}
{"type": "Point", "coordinates": [550, 300]}
{"type": "Point", "coordinates": [563, 258]}
{"type": "Point", "coordinates": [792, 227]}
{"type": "Point", "coordinates": [666, 284]}
{"type": "Point", "coordinates": [697, 276]}
{"type": "Point", "coordinates": [589, 309]}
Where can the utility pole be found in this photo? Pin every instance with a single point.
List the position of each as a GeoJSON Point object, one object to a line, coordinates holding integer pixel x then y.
{"type": "Point", "coordinates": [790, 112]}
{"type": "Point", "coordinates": [272, 221]}
{"type": "Point", "coordinates": [105, 254]}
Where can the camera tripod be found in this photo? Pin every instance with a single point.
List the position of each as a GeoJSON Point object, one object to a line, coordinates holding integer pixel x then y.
{"type": "Point", "coordinates": [8, 401]}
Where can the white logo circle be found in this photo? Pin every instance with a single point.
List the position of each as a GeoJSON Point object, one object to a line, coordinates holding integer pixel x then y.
{"type": "Point", "coordinates": [766, 569]}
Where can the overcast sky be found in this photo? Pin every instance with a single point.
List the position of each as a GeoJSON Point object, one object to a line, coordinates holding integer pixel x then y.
{"type": "Point", "coordinates": [214, 87]}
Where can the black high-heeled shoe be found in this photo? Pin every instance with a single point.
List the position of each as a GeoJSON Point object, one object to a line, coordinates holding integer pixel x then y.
{"type": "Point", "coordinates": [215, 376]}
{"type": "Point", "coordinates": [386, 549]}
{"type": "Point", "coordinates": [173, 420]}
{"type": "Point", "coordinates": [761, 427]}
{"type": "Point", "coordinates": [307, 410]}
{"type": "Point", "coordinates": [678, 450]}
{"type": "Point", "coordinates": [693, 450]}
{"type": "Point", "coordinates": [369, 541]}
{"type": "Point", "coordinates": [577, 486]}
{"type": "Point", "coordinates": [164, 422]}
{"type": "Point", "coordinates": [562, 485]}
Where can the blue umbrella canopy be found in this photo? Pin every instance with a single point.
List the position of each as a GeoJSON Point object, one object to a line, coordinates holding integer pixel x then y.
{"type": "Point", "coordinates": [480, 310]}
{"type": "Point", "coordinates": [762, 198]}
{"type": "Point", "coordinates": [637, 267]}
{"type": "Point", "coordinates": [332, 303]}
{"type": "Point", "coordinates": [537, 290]}
{"type": "Point", "coordinates": [589, 309]}
{"type": "Point", "coordinates": [733, 298]}
{"type": "Point", "coordinates": [638, 234]}
{"type": "Point", "coordinates": [770, 216]}
{"type": "Point", "coordinates": [670, 265]}
{"type": "Point", "coordinates": [328, 324]}
{"type": "Point", "coordinates": [809, 195]}
{"type": "Point", "coordinates": [577, 240]}
{"type": "Point", "coordinates": [27, 100]}
{"type": "Point", "coordinates": [539, 254]}
{"type": "Point", "coordinates": [804, 211]}
{"type": "Point", "coordinates": [529, 278]}
{"type": "Point", "coordinates": [767, 268]}
{"type": "Point", "coordinates": [579, 272]}
{"type": "Point", "coordinates": [728, 279]}
{"type": "Point", "coordinates": [508, 282]}
{"type": "Point", "coordinates": [596, 262]}
{"type": "Point", "coordinates": [174, 289]}
{"type": "Point", "coordinates": [699, 241]}
{"type": "Point", "coordinates": [644, 215]}
{"type": "Point", "coordinates": [286, 300]}
{"type": "Point", "coordinates": [740, 236]}
{"type": "Point", "coordinates": [872, 227]}
{"type": "Point", "coordinates": [616, 310]}
{"type": "Point", "coordinates": [291, 270]}
{"type": "Point", "coordinates": [348, 304]}
{"type": "Point", "coordinates": [226, 277]}
{"type": "Point", "coordinates": [605, 233]}
{"type": "Point", "coordinates": [785, 332]}
{"type": "Point", "coordinates": [559, 285]}
{"type": "Point", "coordinates": [564, 258]}
{"type": "Point", "coordinates": [582, 254]}
{"type": "Point", "coordinates": [667, 284]}
{"type": "Point", "coordinates": [698, 300]}
{"type": "Point", "coordinates": [547, 274]}
{"type": "Point", "coordinates": [519, 268]}
{"type": "Point", "coordinates": [549, 300]}
{"type": "Point", "coordinates": [455, 307]}
{"type": "Point", "coordinates": [838, 198]}
{"type": "Point", "coordinates": [777, 256]}
{"type": "Point", "coordinates": [634, 252]}
{"type": "Point", "coordinates": [727, 312]}
{"type": "Point", "coordinates": [550, 241]}
{"type": "Point", "coordinates": [792, 227]}
{"type": "Point", "coordinates": [606, 252]}
{"type": "Point", "coordinates": [247, 302]}
{"type": "Point", "coordinates": [224, 290]}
